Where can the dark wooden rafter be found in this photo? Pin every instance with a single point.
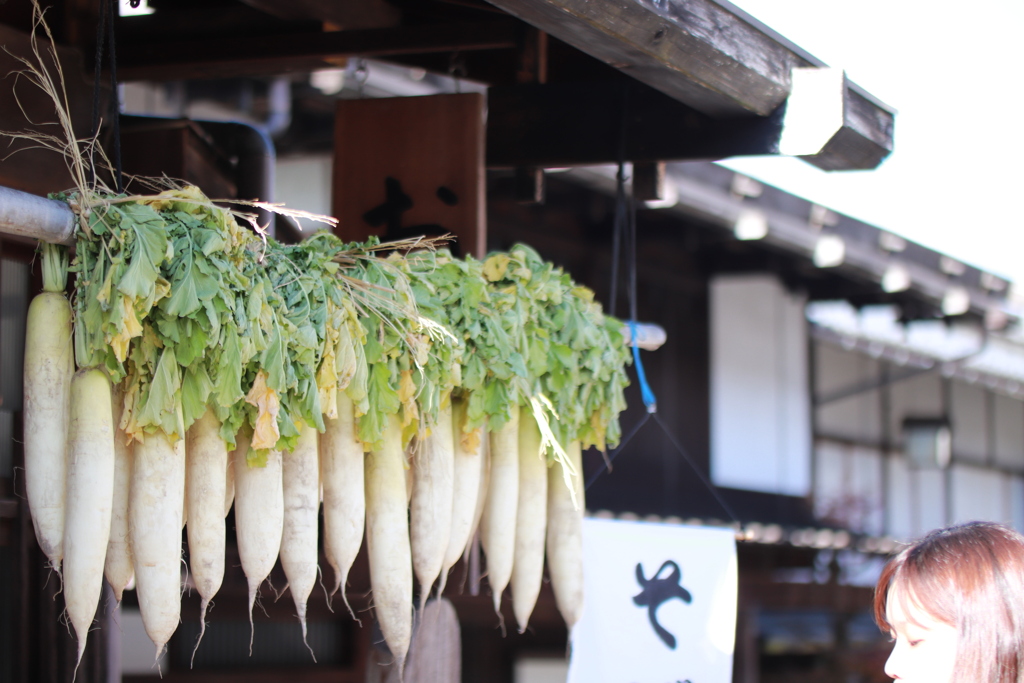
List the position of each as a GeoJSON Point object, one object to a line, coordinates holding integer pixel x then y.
{"type": "Point", "coordinates": [579, 124]}
{"type": "Point", "coordinates": [723, 77]}
{"type": "Point", "coordinates": [363, 14]}
{"type": "Point", "coordinates": [712, 57]}
{"type": "Point", "coordinates": [694, 50]}
{"type": "Point", "coordinates": [243, 56]}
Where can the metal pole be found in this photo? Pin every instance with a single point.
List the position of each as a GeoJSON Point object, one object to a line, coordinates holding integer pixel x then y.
{"type": "Point", "coordinates": [27, 215]}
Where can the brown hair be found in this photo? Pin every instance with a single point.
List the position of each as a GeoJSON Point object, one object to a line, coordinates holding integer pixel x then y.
{"type": "Point", "coordinates": [970, 576]}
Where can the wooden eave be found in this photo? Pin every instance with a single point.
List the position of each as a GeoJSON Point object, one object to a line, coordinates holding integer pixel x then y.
{"type": "Point", "coordinates": [707, 194]}
{"type": "Point", "coordinates": [723, 76]}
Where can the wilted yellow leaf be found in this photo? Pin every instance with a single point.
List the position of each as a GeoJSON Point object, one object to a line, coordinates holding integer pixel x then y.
{"type": "Point", "coordinates": [495, 267]}
{"type": "Point", "coordinates": [268, 406]}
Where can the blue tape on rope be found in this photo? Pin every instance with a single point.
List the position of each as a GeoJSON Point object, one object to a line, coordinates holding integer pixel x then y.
{"type": "Point", "coordinates": [645, 389]}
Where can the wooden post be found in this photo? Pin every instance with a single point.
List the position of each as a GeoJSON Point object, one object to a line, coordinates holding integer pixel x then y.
{"type": "Point", "coordinates": [435, 655]}
{"type": "Point", "coordinates": [411, 166]}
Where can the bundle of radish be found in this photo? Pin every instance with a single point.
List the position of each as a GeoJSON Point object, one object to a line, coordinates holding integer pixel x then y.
{"type": "Point", "coordinates": [575, 360]}
{"type": "Point", "coordinates": [444, 288]}
{"type": "Point", "coordinates": [222, 340]}
{"type": "Point", "coordinates": [458, 294]}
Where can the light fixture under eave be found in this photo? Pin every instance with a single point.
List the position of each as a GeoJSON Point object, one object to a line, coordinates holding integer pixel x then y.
{"type": "Point", "coordinates": [125, 9]}
{"type": "Point", "coordinates": [670, 199]}
{"type": "Point", "coordinates": [829, 251]}
{"type": "Point", "coordinates": [895, 279]}
{"type": "Point", "coordinates": [956, 301]}
{"type": "Point", "coordinates": [328, 81]}
{"type": "Point", "coordinates": [751, 224]}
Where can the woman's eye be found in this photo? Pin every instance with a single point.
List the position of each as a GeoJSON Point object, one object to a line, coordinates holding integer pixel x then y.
{"type": "Point", "coordinates": [914, 643]}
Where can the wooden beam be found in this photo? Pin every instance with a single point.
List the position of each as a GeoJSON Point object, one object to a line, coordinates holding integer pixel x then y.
{"type": "Point", "coordinates": [696, 51]}
{"type": "Point", "coordinates": [712, 57]}
{"type": "Point", "coordinates": [558, 125]}
{"type": "Point", "coordinates": [578, 124]}
{"type": "Point", "coordinates": [863, 142]}
{"type": "Point", "coordinates": [344, 15]}
{"type": "Point", "coordinates": [243, 56]}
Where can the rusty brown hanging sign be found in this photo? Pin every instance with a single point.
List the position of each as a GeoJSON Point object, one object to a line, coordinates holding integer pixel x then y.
{"type": "Point", "coordinates": [409, 166]}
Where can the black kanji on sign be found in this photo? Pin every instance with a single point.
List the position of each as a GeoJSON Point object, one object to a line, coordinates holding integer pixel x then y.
{"type": "Point", "coordinates": [657, 591]}
{"type": "Point", "coordinates": [396, 203]}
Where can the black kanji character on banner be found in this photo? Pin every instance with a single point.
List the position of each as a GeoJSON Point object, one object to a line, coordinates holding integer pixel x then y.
{"type": "Point", "coordinates": [397, 202]}
{"type": "Point", "coordinates": [656, 591]}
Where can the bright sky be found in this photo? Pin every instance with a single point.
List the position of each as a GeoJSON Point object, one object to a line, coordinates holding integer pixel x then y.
{"type": "Point", "coordinates": [953, 71]}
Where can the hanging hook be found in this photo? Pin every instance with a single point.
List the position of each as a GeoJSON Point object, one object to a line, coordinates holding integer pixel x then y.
{"type": "Point", "coordinates": [362, 74]}
{"type": "Point", "coordinates": [457, 69]}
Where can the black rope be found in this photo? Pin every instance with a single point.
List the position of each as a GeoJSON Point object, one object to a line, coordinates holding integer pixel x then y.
{"type": "Point", "coordinates": [97, 64]}
{"type": "Point", "coordinates": [633, 256]}
{"type": "Point", "coordinates": [605, 465]}
{"type": "Point", "coordinates": [700, 475]}
{"type": "Point", "coordinates": [115, 108]}
{"type": "Point", "coordinates": [619, 226]}
{"type": "Point", "coordinates": [105, 36]}
{"type": "Point", "coordinates": [624, 236]}
{"type": "Point", "coordinates": [620, 202]}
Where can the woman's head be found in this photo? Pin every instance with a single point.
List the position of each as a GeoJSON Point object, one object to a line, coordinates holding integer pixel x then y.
{"type": "Point", "coordinates": [954, 602]}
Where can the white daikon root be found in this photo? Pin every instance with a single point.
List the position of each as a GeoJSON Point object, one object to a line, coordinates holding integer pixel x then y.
{"type": "Point", "coordinates": [155, 504]}
{"type": "Point", "coordinates": [259, 516]}
{"type": "Point", "coordinates": [118, 568]}
{"type": "Point", "coordinates": [430, 512]}
{"type": "Point", "coordinates": [205, 483]}
{"type": "Point", "coordinates": [467, 471]}
{"type": "Point", "coordinates": [90, 492]}
{"type": "Point", "coordinates": [498, 524]}
{"type": "Point", "coordinates": [565, 537]}
{"type": "Point", "coordinates": [341, 471]}
{"type": "Point", "coordinates": [531, 521]}
{"type": "Point", "coordinates": [49, 365]}
{"type": "Point", "coordinates": [301, 490]}
{"type": "Point", "coordinates": [387, 541]}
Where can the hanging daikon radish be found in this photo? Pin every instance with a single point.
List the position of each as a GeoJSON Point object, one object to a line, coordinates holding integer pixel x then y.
{"type": "Point", "coordinates": [466, 470]}
{"type": "Point", "coordinates": [498, 524]}
{"type": "Point", "coordinates": [259, 515]}
{"type": "Point", "coordinates": [49, 365]}
{"type": "Point", "coordinates": [229, 486]}
{"type": "Point", "coordinates": [341, 470]}
{"type": "Point", "coordinates": [155, 504]}
{"type": "Point", "coordinates": [430, 513]}
{"type": "Point", "coordinates": [565, 536]}
{"type": "Point", "coordinates": [481, 498]}
{"type": "Point", "coordinates": [118, 568]}
{"type": "Point", "coordinates": [301, 490]}
{"type": "Point", "coordinates": [205, 484]}
{"type": "Point", "coordinates": [531, 520]}
{"type": "Point", "coordinates": [387, 541]}
{"type": "Point", "coordinates": [90, 492]}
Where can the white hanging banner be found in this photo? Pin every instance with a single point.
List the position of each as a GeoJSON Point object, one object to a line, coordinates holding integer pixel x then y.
{"type": "Point", "coordinates": [660, 604]}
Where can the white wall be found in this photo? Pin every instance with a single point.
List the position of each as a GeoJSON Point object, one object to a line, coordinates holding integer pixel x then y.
{"type": "Point", "coordinates": [1009, 432]}
{"type": "Point", "coordinates": [918, 396]}
{"type": "Point", "coordinates": [760, 408]}
{"type": "Point", "coordinates": [858, 416]}
{"type": "Point", "coordinates": [848, 489]}
{"type": "Point", "coordinates": [540, 670]}
{"type": "Point", "coordinates": [304, 182]}
{"type": "Point", "coordinates": [916, 499]}
{"type": "Point", "coordinates": [969, 420]}
{"type": "Point", "coordinates": [985, 481]}
{"type": "Point", "coordinates": [981, 494]}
